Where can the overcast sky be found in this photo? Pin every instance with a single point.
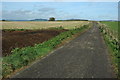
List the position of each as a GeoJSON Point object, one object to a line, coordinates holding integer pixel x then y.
{"type": "Point", "coordinates": [60, 10]}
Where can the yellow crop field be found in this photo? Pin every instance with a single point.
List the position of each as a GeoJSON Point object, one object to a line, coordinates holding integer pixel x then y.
{"type": "Point", "coordinates": [41, 24]}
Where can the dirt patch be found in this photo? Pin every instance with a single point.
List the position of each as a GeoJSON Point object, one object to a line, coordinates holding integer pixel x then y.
{"type": "Point", "coordinates": [19, 39]}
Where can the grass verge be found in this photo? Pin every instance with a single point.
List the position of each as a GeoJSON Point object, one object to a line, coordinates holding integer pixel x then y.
{"type": "Point", "coordinates": [53, 28]}
{"type": "Point", "coordinates": [23, 56]}
{"type": "Point", "coordinates": [113, 46]}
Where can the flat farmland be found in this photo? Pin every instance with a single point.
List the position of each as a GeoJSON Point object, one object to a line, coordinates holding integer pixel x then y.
{"type": "Point", "coordinates": [41, 24]}
{"type": "Point", "coordinates": [24, 42]}
{"type": "Point", "coordinates": [33, 32]}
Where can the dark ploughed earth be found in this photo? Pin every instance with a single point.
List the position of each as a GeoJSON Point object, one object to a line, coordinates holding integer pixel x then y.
{"type": "Point", "coordinates": [19, 39]}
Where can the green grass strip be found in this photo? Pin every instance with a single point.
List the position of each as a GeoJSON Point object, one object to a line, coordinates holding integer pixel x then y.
{"type": "Point", "coordinates": [113, 46]}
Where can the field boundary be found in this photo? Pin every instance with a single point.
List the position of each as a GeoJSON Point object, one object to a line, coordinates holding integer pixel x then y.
{"type": "Point", "coordinates": [112, 45]}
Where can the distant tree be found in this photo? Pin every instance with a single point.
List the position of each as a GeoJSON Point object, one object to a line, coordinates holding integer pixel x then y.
{"type": "Point", "coordinates": [3, 20]}
{"type": "Point", "coordinates": [52, 19]}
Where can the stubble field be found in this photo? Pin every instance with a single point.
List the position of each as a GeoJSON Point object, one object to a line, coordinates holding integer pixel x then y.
{"type": "Point", "coordinates": [41, 24]}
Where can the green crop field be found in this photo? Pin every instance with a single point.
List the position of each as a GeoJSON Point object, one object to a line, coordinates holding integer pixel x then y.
{"type": "Point", "coordinates": [111, 25]}
{"type": "Point", "coordinates": [41, 24]}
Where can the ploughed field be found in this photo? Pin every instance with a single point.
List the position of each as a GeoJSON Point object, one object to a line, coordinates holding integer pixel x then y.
{"type": "Point", "coordinates": [17, 39]}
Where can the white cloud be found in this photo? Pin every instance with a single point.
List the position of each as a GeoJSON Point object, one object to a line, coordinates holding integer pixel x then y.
{"type": "Point", "coordinates": [16, 14]}
{"type": "Point", "coordinates": [20, 14]}
{"type": "Point", "coordinates": [45, 13]}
